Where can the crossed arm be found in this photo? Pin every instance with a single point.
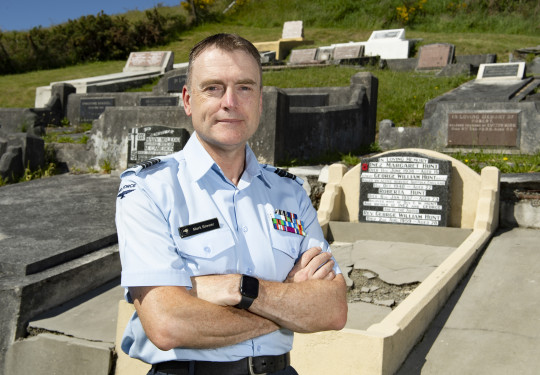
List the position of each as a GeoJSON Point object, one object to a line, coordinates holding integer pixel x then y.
{"type": "Point", "coordinates": [311, 299]}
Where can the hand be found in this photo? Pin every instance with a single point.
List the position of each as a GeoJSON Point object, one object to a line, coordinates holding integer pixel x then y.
{"type": "Point", "coordinates": [313, 264]}
{"type": "Point", "coordinates": [221, 290]}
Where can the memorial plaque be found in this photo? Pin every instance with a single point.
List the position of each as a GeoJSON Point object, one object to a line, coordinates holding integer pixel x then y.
{"type": "Point", "coordinates": [176, 83]}
{"type": "Point", "coordinates": [435, 56]}
{"type": "Point", "coordinates": [348, 52]}
{"type": "Point", "coordinates": [159, 101]}
{"type": "Point", "coordinates": [303, 56]}
{"type": "Point", "coordinates": [502, 71]}
{"type": "Point", "coordinates": [483, 129]}
{"type": "Point", "coordinates": [387, 34]}
{"type": "Point", "coordinates": [152, 141]}
{"type": "Point", "coordinates": [293, 30]}
{"type": "Point", "coordinates": [91, 108]}
{"type": "Point", "coordinates": [405, 188]}
{"type": "Point", "coordinates": [147, 59]}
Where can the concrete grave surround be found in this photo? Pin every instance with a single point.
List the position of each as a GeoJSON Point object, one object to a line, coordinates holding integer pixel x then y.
{"type": "Point", "coordinates": [348, 52]}
{"type": "Point", "coordinates": [303, 56]}
{"type": "Point", "coordinates": [388, 44]}
{"type": "Point", "coordinates": [292, 36]}
{"type": "Point", "coordinates": [435, 56]}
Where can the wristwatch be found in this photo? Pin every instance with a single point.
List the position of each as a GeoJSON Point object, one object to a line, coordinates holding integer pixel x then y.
{"type": "Point", "coordinates": [249, 289]}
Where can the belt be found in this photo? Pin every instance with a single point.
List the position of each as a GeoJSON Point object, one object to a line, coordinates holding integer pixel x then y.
{"type": "Point", "coordinates": [245, 366]}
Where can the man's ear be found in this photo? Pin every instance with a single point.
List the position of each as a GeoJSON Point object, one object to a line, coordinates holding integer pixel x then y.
{"type": "Point", "coordinates": [186, 99]}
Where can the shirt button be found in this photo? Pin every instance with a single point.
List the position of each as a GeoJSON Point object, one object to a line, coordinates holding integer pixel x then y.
{"type": "Point", "coordinates": [207, 250]}
{"type": "Point", "coordinates": [259, 348]}
{"type": "Point", "coordinates": [244, 228]}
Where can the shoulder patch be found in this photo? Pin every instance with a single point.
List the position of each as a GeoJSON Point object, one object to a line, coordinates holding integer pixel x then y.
{"type": "Point", "coordinates": [283, 173]}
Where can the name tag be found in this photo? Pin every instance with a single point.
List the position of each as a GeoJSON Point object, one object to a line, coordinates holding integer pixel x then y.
{"type": "Point", "coordinates": [200, 227]}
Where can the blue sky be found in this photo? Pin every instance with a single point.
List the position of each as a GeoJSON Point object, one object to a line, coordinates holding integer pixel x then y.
{"type": "Point", "coordinates": [25, 14]}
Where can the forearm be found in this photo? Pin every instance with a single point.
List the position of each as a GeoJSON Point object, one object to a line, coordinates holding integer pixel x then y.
{"type": "Point", "coordinates": [172, 318]}
{"type": "Point", "coordinates": [308, 306]}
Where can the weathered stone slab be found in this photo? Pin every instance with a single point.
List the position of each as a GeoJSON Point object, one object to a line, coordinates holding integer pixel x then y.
{"type": "Point", "coordinates": [303, 56]}
{"type": "Point", "coordinates": [147, 61]}
{"type": "Point", "coordinates": [50, 221]}
{"type": "Point", "coordinates": [176, 83]}
{"type": "Point", "coordinates": [435, 56]}
{"type": "Point", "coordinates": [483, 129]}
{"type": "Point", "coordinates": [502, 71]}
{"type": "Point", "coordinates": [152, 141]}
{"type": "Point", "coordinates": [91, 109]}
{"type": "Point", "coordinates": [348, 52]}
{"type": "Point", "coordinates": [292, 30]}
{"type": "Point", "coordinates": [405, 188]}
{"type": "Point", "coordinates": [157, 101]}
{"type": "Point", "coordinates": [387, 34]}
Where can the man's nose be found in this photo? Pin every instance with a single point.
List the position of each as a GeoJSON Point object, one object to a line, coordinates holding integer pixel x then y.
{"type": "Point", "coordinates": [230, 98]}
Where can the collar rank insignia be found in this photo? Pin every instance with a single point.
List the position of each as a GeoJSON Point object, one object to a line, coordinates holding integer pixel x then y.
{"type": "Point", "coordinates": [288, 222]}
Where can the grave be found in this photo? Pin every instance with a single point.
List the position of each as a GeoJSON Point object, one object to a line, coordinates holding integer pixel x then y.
{"type": "Point", "coordinates": [58, 241]}
{"type": "Point", "coordinates": [156, 101]}
{"type": "Point", "coordinates": [348, 52]}
{"type": "Point", "coordinates": [435, 56]}
{"type": "Point", "coordinates": [445, 253]}
{"type": "Point", "coordinates": [388, 44]}
{"type": "Point", "coordinates": [140, 68]}
{"type": "Point", "coordinates": [292, 36]}
{"type": "Point", "coordinates": [405, 188]}
{"type": "Point", "coordinates": [91, 108]}
{"type": "Point", "coordinates": [496, 112]}
{"type": "Point", "coordinates": [153, 141]}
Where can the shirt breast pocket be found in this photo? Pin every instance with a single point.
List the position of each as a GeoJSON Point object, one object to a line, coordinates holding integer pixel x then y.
{"type": "Point", "coordinates": [286, 247]}
{"type": "Point", "coordinates": [209, 252]}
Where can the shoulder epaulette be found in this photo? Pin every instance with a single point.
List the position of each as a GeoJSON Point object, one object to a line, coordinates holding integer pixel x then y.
{"type": "Point", "coordinates": [140, 166]}
{"type": "Point", "coordinates": [283, 173]}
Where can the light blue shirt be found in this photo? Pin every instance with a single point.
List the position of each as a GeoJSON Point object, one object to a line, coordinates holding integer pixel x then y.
{"type": "Point", "coordinates": [187, 188]}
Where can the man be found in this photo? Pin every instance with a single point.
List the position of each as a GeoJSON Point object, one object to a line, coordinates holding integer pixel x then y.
{"type": "Point", "coordinates": [221, 256]}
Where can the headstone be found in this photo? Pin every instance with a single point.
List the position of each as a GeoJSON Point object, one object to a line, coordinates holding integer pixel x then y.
{"type": "Point", "coordinates": [348, 52]}
{"type": "Point", "coordinates": [176, 83]}
{"type": "Point", "coordinates": [435, 56]}
{"type": "Point", "coordinates": [303, 56]}
{"type": "Point", "coordinates": [502, 71]}
{"type": "Point", "coordinates": [387, 34]}
{"type": "Point", "coordinates": [158, 101]}
{"type": "Point", "coordinates": [92, 108]}
{"type": "Point", "coordinates": [293, 30]}
{"type": "Point", "coordinates": [483, 129]}
{"type": "Point", "coordinates": [325, 53]}
{"type": "Point", "coordinates": [152, 141]}
{"type": "Point", "coordinates": [268, 57]}
{"type": "Point", "coordinates": [405, 188]}
{"type": "Point", "coordinates": [152, 60]}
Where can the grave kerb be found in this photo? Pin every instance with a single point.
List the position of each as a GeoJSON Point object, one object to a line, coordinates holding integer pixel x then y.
{"type": "Point", "coordinates": [348, 52]}
{"type": "Point", "coordinates": [501, 71]}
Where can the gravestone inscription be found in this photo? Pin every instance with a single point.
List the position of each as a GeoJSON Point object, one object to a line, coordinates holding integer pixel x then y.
{"type": "Point", "coordinates": [152, 141]}
{"type": "Point", "coordinates": [91, 108]}
{"type": "Point", "coordinates": [158, 101]}
{"type": "Point", "coordinates": [405, 188]}
{"type": "Point", "coordinates": [176, 83]}
{"type": "Point", "coordinates": [502, 71]}
{"type": "Point", "coordinates": [483, 129]}
{"type": "Point", "coordinates": [147, 59]}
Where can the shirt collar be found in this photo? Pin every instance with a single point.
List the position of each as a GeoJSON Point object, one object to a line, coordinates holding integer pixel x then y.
{"type": "Point", "coordinates": [199, 161]}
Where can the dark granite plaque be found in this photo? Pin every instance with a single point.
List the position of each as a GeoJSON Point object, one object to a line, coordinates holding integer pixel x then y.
{"type": "Point", "coordinates": [348, 52]}
{"type": "Point", "coordinates": [435, 56]}
{"type": "Point", "coordinates": [176, 83]}
{"type": "Point", "coordinates": [405, 188]}
{"type": "Point", "coordinates": [483, 129]}
{"type": "Point", "coordinates": [158, 101]}
{"type": "Point", "coordinates": [500, 70]}
{"type": "Point", "coordinates": [92, 108]}
{"type": "Point", "coordinates": [151, 141]}
{"type": "Point", "coordinates": [303, 56]}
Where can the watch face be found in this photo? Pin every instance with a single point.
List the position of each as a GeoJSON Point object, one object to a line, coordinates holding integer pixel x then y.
{"type": "Point", "coordinates": [249, 287]}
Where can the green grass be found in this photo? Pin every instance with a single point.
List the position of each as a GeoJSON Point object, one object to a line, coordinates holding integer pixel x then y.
{"type": "Point", "coordinates": [507, 163]}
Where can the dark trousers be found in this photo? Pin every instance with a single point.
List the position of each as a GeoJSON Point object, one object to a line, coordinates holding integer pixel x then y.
{"type": "Point", "coordinates": [288, 371]}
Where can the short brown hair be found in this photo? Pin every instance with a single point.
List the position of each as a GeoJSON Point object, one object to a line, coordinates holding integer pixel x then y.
{"type": "Point", "coordinates": [226, 42]}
